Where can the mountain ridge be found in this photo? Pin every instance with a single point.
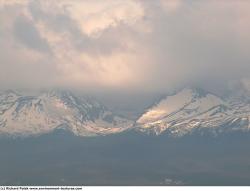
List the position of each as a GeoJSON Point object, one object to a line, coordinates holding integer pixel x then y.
{"type": "Point", "coordinates": [183, 112]}
{"type": "Point", "coordinates": [43, 113]}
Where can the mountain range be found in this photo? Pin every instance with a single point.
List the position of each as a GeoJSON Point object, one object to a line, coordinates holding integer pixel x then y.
{"type": "Point", "coordinates": [23, 115]}
{"type": "Point", "coordinates": [190, 110]}
{"type": "Point", "coordinates": [195, 110]}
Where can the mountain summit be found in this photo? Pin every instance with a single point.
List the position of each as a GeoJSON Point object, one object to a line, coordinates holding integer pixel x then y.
{"type": "Point", "coordinates": [189, 110]}
{"type": "Point", "coordinates": [43, 113]}
{"type": "Point", "coordinates": [193, 109]}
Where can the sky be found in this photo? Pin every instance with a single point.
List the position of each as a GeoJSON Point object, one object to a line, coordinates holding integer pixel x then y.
{"type": "Point", "coordinates": [132, 45]}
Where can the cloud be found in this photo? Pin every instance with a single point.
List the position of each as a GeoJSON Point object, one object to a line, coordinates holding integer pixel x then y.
{"type": "Point", "coordinates": [6, 3]}
{"type": "Point", "coordinates": [25, 32]}
{"type": "Point", "coordinates": [130, 45]}
{"type": "Point", "coordinates": [171, 6]}
{"type": "Point", "coordinates": [101, 16]}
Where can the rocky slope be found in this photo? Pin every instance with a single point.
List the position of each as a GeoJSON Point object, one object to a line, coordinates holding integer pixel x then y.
{"type": "Point", "coordinates": [43, 113]}
{"type": "Point", "coordinates": [191, 110]}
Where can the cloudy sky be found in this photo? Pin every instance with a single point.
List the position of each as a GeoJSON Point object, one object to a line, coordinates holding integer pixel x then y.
{"type": "Point", "coordinates": [148, 45]}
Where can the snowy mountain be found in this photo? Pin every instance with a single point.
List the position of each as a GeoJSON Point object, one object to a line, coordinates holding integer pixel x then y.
{"type": "Point", "coordinates": [195, 110]}
{"type": "Point", "coordinates": [190, 110]}
{"type": "Point", "coordinates": [43, 113]}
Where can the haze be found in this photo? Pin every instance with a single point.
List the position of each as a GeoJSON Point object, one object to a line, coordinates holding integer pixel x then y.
{"type": "Point", "coordinates": [132, 45]}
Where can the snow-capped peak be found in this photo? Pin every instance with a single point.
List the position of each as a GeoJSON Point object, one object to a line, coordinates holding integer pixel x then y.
{"type": "Point", "coordinates": [180, 113]}
{"type": "Point", "coordinates": [190, 100]}
{"type": "Point", "coordinates": [185, 111]}
{"type": "Point", "coordinates": [29, 115]}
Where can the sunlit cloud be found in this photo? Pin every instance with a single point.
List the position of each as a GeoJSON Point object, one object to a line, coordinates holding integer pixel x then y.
{"type": "Point", "coordinates": [153, 45]}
